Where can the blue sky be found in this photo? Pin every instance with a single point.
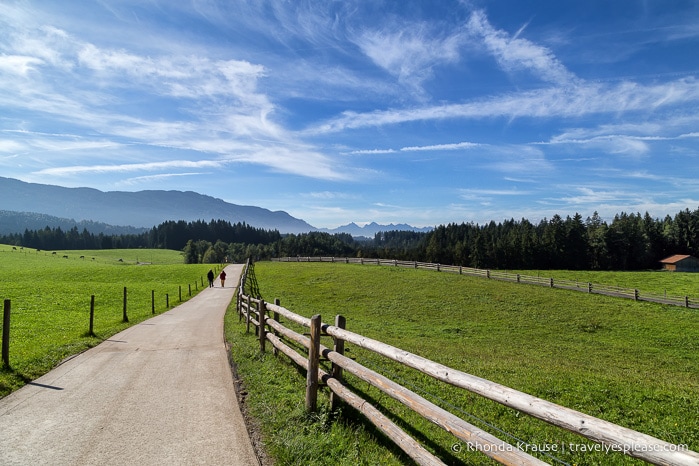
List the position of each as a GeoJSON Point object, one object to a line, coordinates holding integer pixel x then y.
{"type": "Point", "coordinates": [419, 112]}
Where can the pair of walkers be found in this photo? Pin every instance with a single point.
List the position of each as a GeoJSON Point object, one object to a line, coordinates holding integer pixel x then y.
{"type": "Point", "coordinates": [210, 276]}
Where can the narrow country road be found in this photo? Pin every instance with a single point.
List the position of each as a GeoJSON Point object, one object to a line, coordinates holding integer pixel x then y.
{"type": "Point", "coordinates": [160, 392]}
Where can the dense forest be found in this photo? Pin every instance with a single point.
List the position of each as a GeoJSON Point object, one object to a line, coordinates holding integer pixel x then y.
{"type": "Point", "coordinates": [628, 242]}
{"type": "Point", "coordinates": [167, 235]}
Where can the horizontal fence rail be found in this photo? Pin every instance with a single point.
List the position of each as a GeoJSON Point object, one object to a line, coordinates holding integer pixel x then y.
{"type": "Point", "coordinates": [586, 287]}
{"type": "Point", "coordinates": [265, 317]}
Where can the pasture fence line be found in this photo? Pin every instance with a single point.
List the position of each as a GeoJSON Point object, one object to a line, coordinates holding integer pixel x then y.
{"type": "Point", "coordinates": [7, 307]}
{"type": "Point", "coordinates": [574, 285]}
{"type": "Point", "coordinates": [265, 317]}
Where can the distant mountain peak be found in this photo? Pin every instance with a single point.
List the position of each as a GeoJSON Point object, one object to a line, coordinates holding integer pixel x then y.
{"type": "Point", "coordinates": [370, 229]}
{"type": "Point", "coordinates": [140, 209]}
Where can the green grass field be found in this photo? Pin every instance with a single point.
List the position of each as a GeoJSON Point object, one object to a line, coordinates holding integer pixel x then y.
{"type": "Point", "coordinates": [632, 363]}
{"type": "Point", "coordinates": [50, 300]}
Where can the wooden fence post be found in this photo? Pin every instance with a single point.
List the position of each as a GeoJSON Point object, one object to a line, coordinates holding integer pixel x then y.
{"type": "Point", "coordinates": [339, 347]}
{"type": "Point", "coordinates": [247, 316]}
{"type": "Point", "coordinates": [686, 301]}
{"type": "Point", "coordinates": [313, 362]}
{"type": "Point", "coordinates": [92, 315]}
{"type": "Point", "coordinates": [262, 331]}
{"type": "Point", "coordinates": [167, 301]}
{"type": "Point", "coordinates": [152, 301]}
{"type": "Point", "coordinates": [275, 316]}
{"type": "Point", "coordinates": [190, 289]}
{"type": "Point", "coordinates": [126, 317]}
{"type": "Point", "coordinates": [180, 293]}
{"type": "Point", "coordinates": [589, 287]}
{"type": "Point", "coordinates": [551, 282]}
{"type": "Point", "coordinates": [635, 295]}
{"type": "Point", "coordinates": [6, 333]}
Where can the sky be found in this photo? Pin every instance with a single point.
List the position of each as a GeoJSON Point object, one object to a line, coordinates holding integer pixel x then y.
{"type": "Point", "coordinates": [419, 112]}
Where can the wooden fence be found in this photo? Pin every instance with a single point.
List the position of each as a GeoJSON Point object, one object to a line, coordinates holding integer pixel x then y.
{"type": "Point", "coordinates": [265, 317]}
{"type": "Point", "coordinates": [586, 287]}
{"type": "Point", "coordinates": [7, 312]}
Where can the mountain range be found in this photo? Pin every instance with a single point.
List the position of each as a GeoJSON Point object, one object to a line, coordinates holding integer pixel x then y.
{"type": "Point", "coordinates": [370, 229]}
{"type": "Point", "coordinates": [34, 206]}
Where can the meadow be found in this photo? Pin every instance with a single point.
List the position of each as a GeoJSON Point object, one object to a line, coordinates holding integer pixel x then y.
{"type": "Point", "coordinates": [632, 363]}
{"type": "Point", "coordinates": [50, 300]}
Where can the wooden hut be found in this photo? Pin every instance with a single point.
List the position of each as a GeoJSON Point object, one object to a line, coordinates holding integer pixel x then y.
{"type": "Point", "coordinates": [681, 263]}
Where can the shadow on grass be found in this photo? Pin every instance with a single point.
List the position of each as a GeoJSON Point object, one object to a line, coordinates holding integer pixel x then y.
{"type": "Point", "coordinates": [444, 453]}
{"type": "Point", "coordinates": [11, 379]}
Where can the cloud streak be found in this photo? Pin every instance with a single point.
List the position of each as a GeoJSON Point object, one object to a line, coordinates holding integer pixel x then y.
{"type": "Point", "coordinates": [579, 101]}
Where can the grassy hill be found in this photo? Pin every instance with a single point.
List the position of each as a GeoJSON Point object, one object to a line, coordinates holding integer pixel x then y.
{"type": "Point", "coordinates": [631, 363]}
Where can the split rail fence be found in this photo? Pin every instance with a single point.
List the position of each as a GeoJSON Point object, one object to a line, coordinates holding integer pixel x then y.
{"type": "Point", "coordinates": [616, 291]}
{"type": "Point", "coordinates": [266, 319]}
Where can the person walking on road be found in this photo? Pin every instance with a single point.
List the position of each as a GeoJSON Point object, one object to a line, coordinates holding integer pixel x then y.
{"type": "Point", "coordinates": [210, 276]}
{"type": "Point", "coordinates": [223, 278]}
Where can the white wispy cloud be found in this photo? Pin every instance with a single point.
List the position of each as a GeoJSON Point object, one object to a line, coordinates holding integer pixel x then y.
{"type": "Point", "coordinates": [455, 146]}
{"type": "Point", "coordinates": [18, 64]}
{"type": "Point", "coordinates": [127, 167]}
{"type": "Point", "coordinates": [513, 53]}
{"type": "Point", "coordinates": [578, 101]}
{"type": "Point", "coordinates": [409, 51]}
{"type": "Point", "coordinates": [329, 195]}
{"type": "Point", "coordinates": [592, 195]}
{"type": "Point", "coordinates": [433, 147]}
{"type": "Point", "coordinates": [470, 192]}
{"type": "Point", "coordinates": [374, 151]}
{"type": "Point", "coordinates": [150, 178]}
{"type": "Point", "coordinates": [11, 146]}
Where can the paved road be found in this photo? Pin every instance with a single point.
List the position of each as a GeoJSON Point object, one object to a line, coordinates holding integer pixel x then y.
{"type": "Point", "coordinates": [160, 392]}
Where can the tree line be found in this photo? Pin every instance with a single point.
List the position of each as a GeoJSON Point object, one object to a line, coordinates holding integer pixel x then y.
{"type": "Point", "coordinates": [628, 242]}
{"type": "Point", "coordinates": [168, 235]}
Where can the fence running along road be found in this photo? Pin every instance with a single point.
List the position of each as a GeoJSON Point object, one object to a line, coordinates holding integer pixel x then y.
{"type": "Point", "coordinates": [265, 317]}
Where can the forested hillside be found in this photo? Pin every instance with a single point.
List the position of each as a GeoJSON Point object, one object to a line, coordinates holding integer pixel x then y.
{"type": "Point", "coordinates": [628, 242]}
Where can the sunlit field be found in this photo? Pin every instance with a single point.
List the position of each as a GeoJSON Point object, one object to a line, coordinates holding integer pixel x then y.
{"type": "Point", "coordinates": [50, 295]}
{"type": "Point", "coordinates": [632, 363]}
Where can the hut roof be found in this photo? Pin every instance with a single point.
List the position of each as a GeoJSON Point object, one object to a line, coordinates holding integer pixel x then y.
{"type": "Point", "coordinates": [675, 259]}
